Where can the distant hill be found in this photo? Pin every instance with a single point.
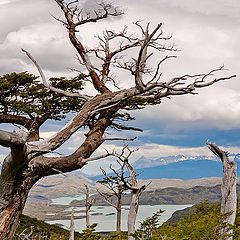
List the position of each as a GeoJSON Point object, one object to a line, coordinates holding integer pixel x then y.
{"type": "Point", "coordinates": [60, 185]}
{"type": "Point", "coordinates": [185, 170]}
{"type": "Point", "coordinates": [172, 195]}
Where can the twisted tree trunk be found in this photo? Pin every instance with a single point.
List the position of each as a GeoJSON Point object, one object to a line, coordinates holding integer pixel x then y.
{"type": "Point", "coordinates": [12, 201]}
{"type": "Point", "coordinates": [19, 173]}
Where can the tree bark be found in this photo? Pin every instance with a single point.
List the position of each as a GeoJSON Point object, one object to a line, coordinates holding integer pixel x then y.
{"type": "Point", "coordinates": [14, 183]}
{"type": "Point", "coordinates": [228, 190]}
{"type": "Point", "coordinates": [136, 192]}
{"type": "Point", "coordinates": [87, 216]}
{"type": "Point", "coordinates": [71, 235]}
{"type": "Point", "coordinates": [132, 215]}
{"type": "Point", "coordinates": [119, 213]}
{"type": "Point", "coordinates": [12, 201]}
{"type": "Point", "coordinates": [88, 204]}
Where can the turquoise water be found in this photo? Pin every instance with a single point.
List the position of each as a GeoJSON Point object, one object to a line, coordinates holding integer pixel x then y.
{"type": "Point", "coordinates": [67, 200]}
{"type": "Point", "coordinates": [106, 221]}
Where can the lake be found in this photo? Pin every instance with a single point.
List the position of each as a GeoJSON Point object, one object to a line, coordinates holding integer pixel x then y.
{"type": "Point", "coordinates": [105, 218]}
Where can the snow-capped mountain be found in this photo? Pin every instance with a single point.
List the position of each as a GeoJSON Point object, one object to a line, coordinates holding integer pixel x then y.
{"type": "Point", "coordinates": [144, 162]}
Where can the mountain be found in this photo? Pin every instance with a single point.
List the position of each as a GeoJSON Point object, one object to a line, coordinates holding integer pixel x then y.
{"type": "Point", "coordinates": [187, 169]}
{"type": "Point", "coordinates": [144, 162]}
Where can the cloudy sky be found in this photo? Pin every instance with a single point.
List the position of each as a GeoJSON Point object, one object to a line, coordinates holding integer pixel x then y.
{"type": "Point", "coordinates": [207, 33]}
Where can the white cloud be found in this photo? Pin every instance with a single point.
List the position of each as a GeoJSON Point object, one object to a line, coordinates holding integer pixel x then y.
{"type": "Point", "coordinates": [217, 108]}
{"type": "Point", "coordinates": [3, 2]}
{"type": "Point", "coordinates": [154, 151]}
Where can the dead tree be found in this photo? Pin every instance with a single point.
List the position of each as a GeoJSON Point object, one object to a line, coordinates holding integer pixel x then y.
{"type": "Point", "coordinates": [88, 204]}
{"type": "Point", "coordinates": [131, 183]}
{"type": "Point", "coordinates": [119, 181]}
{"type": "Point", "coordinates": [25, 234]}
{"type": "Point", "coordinates": [114, 191]}
{"type": "Point", "coordinates": [71, 228]}
{"type": "Point", "coordinates": [27, 163]}
{"type": "Point", "coordinates": [228, 189]}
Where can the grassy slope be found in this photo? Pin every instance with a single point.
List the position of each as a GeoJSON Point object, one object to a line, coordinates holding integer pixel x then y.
{"type": "Point", "coordinates": [39, 228]}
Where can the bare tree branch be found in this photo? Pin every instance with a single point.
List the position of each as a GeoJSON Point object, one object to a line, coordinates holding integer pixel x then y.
{"type": "Point", "coordinates": [98, 157]}
{"type": "Point", "coordinates": [119, 139]}
{"type": "Point", "coordinates": [71, 24]}
{"type": "Point", "coordinates": [46, 84]}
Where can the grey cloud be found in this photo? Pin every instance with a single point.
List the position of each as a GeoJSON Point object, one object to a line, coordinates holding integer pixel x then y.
{"type": "Point", "coordinates": [47, 43]}
{"type": "Point", "coordinates": [22, 13]}
{"type": "Point", "coordinates": [206, 37]}
{"type": "Point", "coordinates": [217, 108]}
{"type": "Point", "coordinates": [11, 65]}
{"type": "Point", "coordinates": [229, 9]}
{"type": "Point", "coordinates": [89, 6]}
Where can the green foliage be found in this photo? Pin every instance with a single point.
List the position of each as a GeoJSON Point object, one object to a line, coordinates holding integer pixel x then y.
{"type": "Point", "coordinates": [89, 233]}
{"type": "Point", "coordinates": [148, 227]}
{"type": "Point", "coordinates": [22, 94]}
{"type": "Point", "coordinates": [41, 229]}
{"type": "Point", "coordinates": [116, 236]}
{"type": "Point", "coordinates": [204, 223]}
{"type": "Point", "coordinates": [139, 103]}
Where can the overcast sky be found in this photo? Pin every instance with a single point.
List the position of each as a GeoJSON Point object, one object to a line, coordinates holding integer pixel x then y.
{"type": "Point", "coordinates": [207, 33]}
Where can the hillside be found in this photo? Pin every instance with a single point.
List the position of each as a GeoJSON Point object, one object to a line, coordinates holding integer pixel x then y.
{"type": "Point", "coordinates": [199, 222]}
{"type": "Point", "coordinates": [40, 229]}
{"type": "Point", "coordinates": [60, 185]}
{"type": "Point", "coordinates": [193, 195]}
{"type": "Point", "coordinates": [191, 169]}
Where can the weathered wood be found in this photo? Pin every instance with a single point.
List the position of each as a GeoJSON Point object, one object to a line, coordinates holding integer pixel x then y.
{"type": "Point", "coordinates": [119, 212]}
{"type": "Point", "coordinates": [88, 204]}
{"type": "Point", "coordinates": [13, 186]}
{"type": "Point", "coordinates": [71, 234]}
{"type": "Point", "coordinates": [114, 189]}
{"type": "Point", "coordinates": [11, 206]}
{"type": "Point", "coordinates": [8, 139]}
{"type": "Point", "coordinates": [136, 192]}
{"type": "Point", "coordinates": [228, 189]}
